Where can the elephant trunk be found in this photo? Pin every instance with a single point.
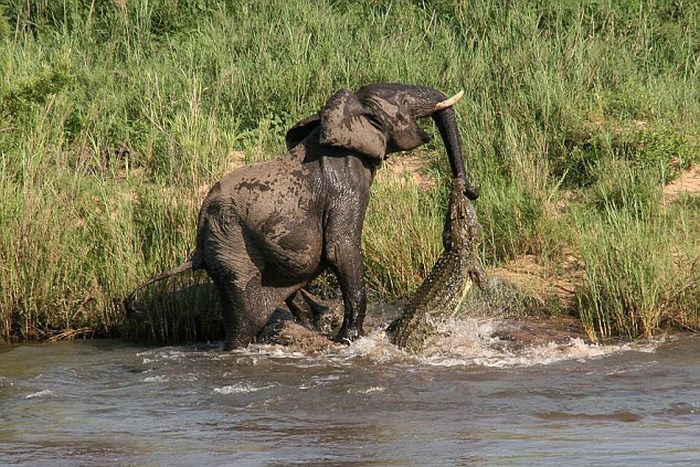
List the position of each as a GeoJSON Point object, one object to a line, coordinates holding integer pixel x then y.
{"type": "Point", "coordinates": [446, 122]}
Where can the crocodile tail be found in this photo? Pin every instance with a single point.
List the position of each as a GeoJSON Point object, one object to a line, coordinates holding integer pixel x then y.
{"type": "Point", "coordinates": [193, 263]}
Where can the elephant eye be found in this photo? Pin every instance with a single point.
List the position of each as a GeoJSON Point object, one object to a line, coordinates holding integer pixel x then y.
{"type": "Point", "coordinates": [374, 121]}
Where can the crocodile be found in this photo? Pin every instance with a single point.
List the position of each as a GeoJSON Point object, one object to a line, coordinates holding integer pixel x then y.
{"type": "Point", "coordinates": [450, 283]}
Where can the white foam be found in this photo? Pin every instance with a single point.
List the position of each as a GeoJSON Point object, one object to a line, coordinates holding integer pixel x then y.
{"type": "Point", "coordinates": [240, 388]}
{"type": "Point", "coordinates": [156, 379]}
{"type": "Point", "coordinates": [267, 350]}
{"type": "Point", "coordinates": [151, 356]}
{"type": "Point", "coordinates": [470, 342]}
{"type": "Point", "coordinates": [369, 390]}
{"type": "Point", "coordinates": [375, 347]}
{"type": "Point", "coordinates": [325, 379]}
{"type": "Point", "coordinates": [459, 342]}
{"type": "Point", "coordinates": [44, 393]}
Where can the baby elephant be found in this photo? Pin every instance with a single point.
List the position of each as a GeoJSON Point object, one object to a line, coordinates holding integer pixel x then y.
{"type": "Point", "coordinates": [267, 229]}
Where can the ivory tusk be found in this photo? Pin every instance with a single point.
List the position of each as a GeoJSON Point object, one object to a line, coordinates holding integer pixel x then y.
{"type": "Point", "coordinates": [448, 102]}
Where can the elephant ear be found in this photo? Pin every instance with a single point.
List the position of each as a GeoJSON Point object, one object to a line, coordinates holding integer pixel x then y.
{"type": "Point", "coordinates": [301, 130]}
{"type": "Point", "coordinates": [346, 123]}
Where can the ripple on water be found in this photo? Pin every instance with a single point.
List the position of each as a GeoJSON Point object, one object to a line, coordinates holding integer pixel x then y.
{"type": "Point", "coordinates": [169, 378]}
{"type": "Point", "coordinates": [156, 379]}
{"type": "Point", "coordinates": [681, 409]}
{"type": "Point", "coordinates": [240, 388]}
{"type": "Point", "coordinates": [370, 390]}
{"type": "Point", "coordinates": [248, 407]}
{"type": "Point", "coordinates": [40, 394]}
{"type": "Point", "coordinates": [620, 416]}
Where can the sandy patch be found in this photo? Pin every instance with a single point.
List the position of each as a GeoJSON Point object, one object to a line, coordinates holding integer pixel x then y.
{"type": "Point", "coordinates": [551, 287]}
{"type": "Point", "coordinates": [688, 182]}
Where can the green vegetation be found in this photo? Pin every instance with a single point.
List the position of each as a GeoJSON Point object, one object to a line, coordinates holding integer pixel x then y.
{"type": "Point", "coordinates": [116, 115]}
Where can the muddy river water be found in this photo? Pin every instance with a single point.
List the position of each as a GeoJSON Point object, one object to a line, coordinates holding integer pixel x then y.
{"type": "Point", "coordinates": [93, 402]}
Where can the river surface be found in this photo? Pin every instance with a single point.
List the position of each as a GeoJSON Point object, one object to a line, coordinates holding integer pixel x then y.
{"type": "Point", "coordinates": [93, 402]}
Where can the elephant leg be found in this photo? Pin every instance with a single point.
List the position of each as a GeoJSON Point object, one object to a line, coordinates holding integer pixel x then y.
{"type": "Point", "coordinates": [301, 310]}
{"type": "Point", "coordinates": [246, 310]}
{"type": "Point", "coordinates": [307, 308]}
{"type": "Point", "coordinates": [239, 331]}
{"type": "Point", "coordinates": [250, 288]}
{"type": "Point", "coordinates": [235, 266]}
{"type": "Point", "coordinates": [346, 263]}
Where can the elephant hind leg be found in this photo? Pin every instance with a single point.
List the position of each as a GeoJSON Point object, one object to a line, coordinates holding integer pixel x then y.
{"type": "Point", "coordinates": [246, 310]}
{"type": "Point", "coordinates": [249, 292]}
{"type": "Point", "coordinates": [237, 310]}
{"type": "Point", "coordinates": [234, 266]}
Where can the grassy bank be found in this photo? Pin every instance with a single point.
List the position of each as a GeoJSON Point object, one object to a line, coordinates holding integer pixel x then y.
{"type": "Point", "coordinates": [116, 116]}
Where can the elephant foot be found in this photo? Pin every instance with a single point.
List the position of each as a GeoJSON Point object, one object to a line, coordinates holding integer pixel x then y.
{"type": "Point", "coordinates": [237, 343]}
{"type": "Point", "coordinates": [228, 346]}
{"type": "Point", "coordinates": [346, 336]}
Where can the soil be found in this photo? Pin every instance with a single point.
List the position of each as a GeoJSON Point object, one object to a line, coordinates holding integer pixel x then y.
{"type": "Point", "coordinates": [292, 334]}
{"type": "Point", "coordinates": [533, 331]}
{"type": "Point", "coordinates": [553, 288]}
{"type": "Point", "coordinates": [688, 182]}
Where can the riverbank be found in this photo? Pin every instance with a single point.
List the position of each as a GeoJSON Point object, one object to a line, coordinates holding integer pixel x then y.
{"type": "Point", "coordinates": [115, 119]}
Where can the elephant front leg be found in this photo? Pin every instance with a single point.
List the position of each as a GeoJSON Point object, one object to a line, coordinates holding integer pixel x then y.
{"type": "Point", "coordinates": [346, 262]}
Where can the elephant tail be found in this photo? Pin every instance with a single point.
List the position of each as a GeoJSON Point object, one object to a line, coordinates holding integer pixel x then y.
{"type": "Point", "coordinates": [129, 302]}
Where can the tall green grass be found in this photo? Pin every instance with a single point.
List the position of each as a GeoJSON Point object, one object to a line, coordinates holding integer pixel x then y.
{"type": "Point", "coordinates": [641, 260]}
{"type": "Point", "coordinates": [115, 116]}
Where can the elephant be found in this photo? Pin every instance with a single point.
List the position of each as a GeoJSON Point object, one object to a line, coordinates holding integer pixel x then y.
{"type": "Point", "coordinates": [266, 230]}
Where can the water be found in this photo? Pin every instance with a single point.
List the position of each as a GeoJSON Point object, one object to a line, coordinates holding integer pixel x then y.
{"type": "Point", "coordinates": [92, 402]}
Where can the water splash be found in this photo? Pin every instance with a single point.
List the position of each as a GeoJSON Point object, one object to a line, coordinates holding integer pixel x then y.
{"type": "Point", "coordinates": [467, 342]}
{"type": "Point", "coordinates": [460, 342]}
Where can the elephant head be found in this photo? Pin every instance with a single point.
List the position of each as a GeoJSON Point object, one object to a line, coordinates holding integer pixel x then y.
{"type": "Point", "coordinates": [380, 119]}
